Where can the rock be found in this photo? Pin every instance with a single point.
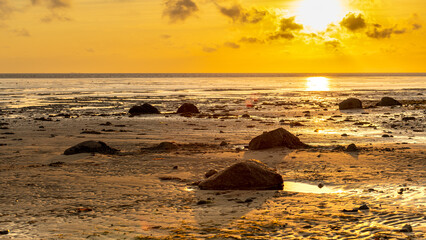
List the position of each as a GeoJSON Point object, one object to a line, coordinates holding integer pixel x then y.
{"type": "Point", "coordinates": [276, 138]}
{"type": "Point", "coordinates": [408, 118]}
{"type": "Point", "coordinates": [245, 116]}
{"type": "Point", "coordinates": [406, 228]}
{"type": "Point", "coordinates": [223, 143]}
{"type": "Point", "coordinates": [364, 207]}
{"type": "Point", "coordinates": [247, 175]}
{"type": "Point", "coordinates": [165, 146]}
{"type": "Point", "coordinates": [351, 148]}
{"type": "Point", "coordinates": [388, 101]}
{"type": "Point", "coordinates": [202, 202]}
{"type": "Point", "coordinates": [350, 103]}
{"type": "Point", "coordinates": [188, 108]}
{"type": "Point", "coordinates": [320, 185]}
{"type": "Point", "coordinates": [56, 164]}
{"type": "Point", "coordinates": [146, 108]}
{"type": "Point", "coordinates": [4, 232]}
{"type": "Point", "coordinates": [90, 147]}
{"type": "Point", "coordinates": [210, 173]}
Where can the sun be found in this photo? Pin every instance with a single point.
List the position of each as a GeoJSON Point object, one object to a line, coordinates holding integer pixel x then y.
{"type": "Point", "coordinates": [316, 15]}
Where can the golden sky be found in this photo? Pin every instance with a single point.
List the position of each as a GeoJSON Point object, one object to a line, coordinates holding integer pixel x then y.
{"type": "Point", "coordinates": [39, 36]}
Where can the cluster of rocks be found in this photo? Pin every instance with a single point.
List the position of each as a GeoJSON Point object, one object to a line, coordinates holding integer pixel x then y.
{"type": "Point", "coordinates": [354, 103]}
{"type": "Point", "coordinates": [146, 108]}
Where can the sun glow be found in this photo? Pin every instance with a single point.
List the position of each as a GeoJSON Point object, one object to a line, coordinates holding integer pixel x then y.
{"type": "Point", "coordinates": [316, 15]}
{"type": "Point", "coordinates": [317, 84]}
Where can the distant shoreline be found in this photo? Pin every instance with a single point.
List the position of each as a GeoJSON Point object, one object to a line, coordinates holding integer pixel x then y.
{"type": "Point", "coordinates": [193, 75]}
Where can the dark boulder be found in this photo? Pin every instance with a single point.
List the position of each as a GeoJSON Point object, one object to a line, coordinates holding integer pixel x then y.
{"type": "Point", "coordinates": [90, 147]}
{"type": "Point", "coordinates": [388, 101]}
{"type": "Point", "coordinates": [276, 138]}
{"type": "Point", "coordinates": [146, 108]}
{"type": "Point", "coordinates": [247, 175]}
{"type": "Point", "coordinates": [188, 108]}
{"type": "Point", "coordinates": [350, 103]}
{"type": "Point", "coordinates": [352, 148]}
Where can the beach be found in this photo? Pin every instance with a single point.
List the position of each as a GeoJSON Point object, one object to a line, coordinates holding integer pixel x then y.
{"type": "Point", "coordinates": [149, 192]}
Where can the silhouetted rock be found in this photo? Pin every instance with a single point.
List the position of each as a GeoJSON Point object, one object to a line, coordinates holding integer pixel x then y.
{"type": "Point", "coordinates": [90, 147]}
{"type": "Point", "coordinates": [247, 175]}
{"type": "Point", "coordinates": [351, 148]}
{"type": "Point", "coordinates": [164, 146]}
{"type": "Point", "coordinates": [350, 103]}
{"type": "Point", "coordinates": [146, 108]}
{"type": "Point", "coordinates": [276, 138]}
{"type": "Point", "coordinates": [406, 228]}
{"type": "Point", "coordinates": [388, 101]}
{"type": "Point", "coordinates": [408, 118]}
{"type": "Point", "coordinates": [188, 108]}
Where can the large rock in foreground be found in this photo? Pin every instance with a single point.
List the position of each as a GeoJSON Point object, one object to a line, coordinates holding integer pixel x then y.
{"type": "Point", "coordinates": [276, 138]}
{"type": "Point", "coordinates": [188, 108]}
{"type": "Point", "coordinates": [350, 103]}
{"type": "Point", "coordinates": [90, 147]}
{"type": "Point", "coordinates": [146, 108]}
{"type": "Point", "coordinates": [247, 175]}
{"type": "Point", "coordinates": [388, 101]}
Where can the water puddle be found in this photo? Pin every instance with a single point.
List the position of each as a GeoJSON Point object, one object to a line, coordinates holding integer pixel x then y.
{"type": "Point", "coordinates": [309, 188]}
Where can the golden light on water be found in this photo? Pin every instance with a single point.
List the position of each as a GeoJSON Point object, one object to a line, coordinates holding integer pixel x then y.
{"type": "Point", "coordinates": [317, 84]}
{"type": "Point", "coordinates": [318, 14]}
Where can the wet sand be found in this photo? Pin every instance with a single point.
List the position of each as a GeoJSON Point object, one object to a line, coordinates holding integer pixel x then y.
{"type": "Point", "coordinates": [146, 194]}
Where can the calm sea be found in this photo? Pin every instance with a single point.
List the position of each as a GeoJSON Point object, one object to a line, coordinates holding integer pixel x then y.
{"type": "Point", "coordinates": [20, 90]}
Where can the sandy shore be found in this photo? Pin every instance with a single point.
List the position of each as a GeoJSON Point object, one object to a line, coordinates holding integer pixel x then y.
{"type": "Point", "coordinates": [145, 194]}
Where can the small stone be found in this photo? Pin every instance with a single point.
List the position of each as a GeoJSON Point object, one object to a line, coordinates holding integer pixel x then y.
{"type": "Point", "coordinates": [188, 108]}
{"type": "Point", "coordinates": [406, 228]}
{"type": "Point", "coordinates": [201, 202]}
{"type": "Point", "coordinates": [175, 167]}
{"type": "Point", "coordinates": [364, 207]}
{"type": "Point", "coordinates": [320, 185]}
{"type": "Point", "coordinates": [223, 143]}
{"type": "Point", "coordinates": [4, 232]}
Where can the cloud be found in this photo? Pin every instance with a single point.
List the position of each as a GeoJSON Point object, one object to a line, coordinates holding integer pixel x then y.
{"type": "Point", "coordinates": [231, 45]}
{"type": "Point", "coordinates": [286, 30]}
{"type": "Point", "coordinates": [380, 33]}
{"type": "Point", "coordinates": [5, 9]}
{"type": "Point", "coordinates": [333, 44]}
{"type": "Point", "coordinates": [179, 10]}
{"type": "Point", "coordinates": [54, 16]}
{"type": "Point", "coordinates": [279, 35]}
{"type": "Point", "coordinates": [21, 32]}
{"type": "Point", "coordinates": [209, 49]}
{"type": "Point", "coordinates": [53, 4]}
{"type": "Point", "coordinates": [288, 24]}
{"type": "Point", "coordinates": [238, 14]}
{"type": "Point", "coordinates": [416, 26]}
{"type": "Point", "coordinates": [353, 22]}
{"type": "Point", "coordinates": [165, 36]}
{"type": "Point", "coordinates": [250, 40]}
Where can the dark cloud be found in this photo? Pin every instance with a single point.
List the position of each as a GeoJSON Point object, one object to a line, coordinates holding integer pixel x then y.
{"type": "Point", "coordinates": [179, 10]}
{"type": "Point", "coordinates": [416, 26]}
{"type": "Point", "coordinates": [209, 49]}
{"type": "Point", "coordinates": [53, 4]}
{"type": "Point", "coordinates": [333, 44]}
{"type": "Point", "coordinates": [250, 40]}
{"type": "Point", "coordinates": [288, 25]}
{"type": "Point", "coordinates": [353, 22]}
{"type": "Point", "coordinates": [238, 14]}
{"type": "Point", "coordinates": [380, 33]}
{"type": "Point", "coordinates": [279, 35]}
{"type": "Point", "coordinates": [231, 45]}
{"type": "Point", "coordinates": [286, 30]}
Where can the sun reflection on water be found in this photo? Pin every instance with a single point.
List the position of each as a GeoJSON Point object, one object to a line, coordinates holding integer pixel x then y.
{"type": "Point", "coordinates": [317, 84]}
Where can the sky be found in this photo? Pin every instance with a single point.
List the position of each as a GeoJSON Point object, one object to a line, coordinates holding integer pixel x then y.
{"type": "Point", "coordinates": [212, 36]}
